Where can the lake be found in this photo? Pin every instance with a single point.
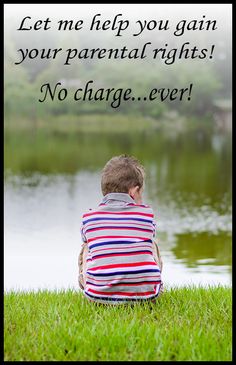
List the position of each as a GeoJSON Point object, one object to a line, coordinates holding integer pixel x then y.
{"type": "Point", "coordinates": [50, 182]}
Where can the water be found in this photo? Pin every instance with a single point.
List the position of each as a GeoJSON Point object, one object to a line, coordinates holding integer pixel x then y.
{"type": "Point", "coordinates": [190, 197]}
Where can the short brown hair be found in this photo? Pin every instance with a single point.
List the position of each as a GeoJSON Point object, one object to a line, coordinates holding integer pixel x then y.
{"type": "Point", "coordinates": [122, 173]}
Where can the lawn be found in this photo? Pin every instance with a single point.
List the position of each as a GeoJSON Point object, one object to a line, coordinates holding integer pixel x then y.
{"type": "Point", "coordinates": [189, 324]}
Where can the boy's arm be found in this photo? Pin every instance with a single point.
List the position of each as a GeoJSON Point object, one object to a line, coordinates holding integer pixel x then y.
{"type": "Point", "coordinates": [155, 248]}
{"type": "Point", "coordinates": [156, 253]}
{"type": "Point", "coordinates": [85, 254]}
{"type": "Point", "coordinates": [82, 264]}
{"type": "Point", "coordinates": [82, 259]}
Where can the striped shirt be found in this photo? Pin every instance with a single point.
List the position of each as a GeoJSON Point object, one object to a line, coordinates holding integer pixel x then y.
{"type": "Point", "coordinates": [120, 264]}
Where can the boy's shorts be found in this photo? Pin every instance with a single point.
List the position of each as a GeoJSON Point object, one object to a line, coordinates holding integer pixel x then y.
{"type": "Point", "coordinates": [82, 263]}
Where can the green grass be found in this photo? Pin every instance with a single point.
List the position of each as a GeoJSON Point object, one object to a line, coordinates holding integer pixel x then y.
{"type": "Point", "coordinates": [91, 123]}
{"type": "Point", "coordinates": [191, 323]}
{"type": "Point", "coordinates": [105, 123]}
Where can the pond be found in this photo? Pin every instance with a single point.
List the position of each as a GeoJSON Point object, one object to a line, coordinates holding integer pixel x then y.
{"type": "Point", "coordinates": [48, 184]}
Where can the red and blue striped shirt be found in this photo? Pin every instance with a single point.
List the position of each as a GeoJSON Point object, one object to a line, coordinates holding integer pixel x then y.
{"type": "Point", "coordinates": [120, 264]}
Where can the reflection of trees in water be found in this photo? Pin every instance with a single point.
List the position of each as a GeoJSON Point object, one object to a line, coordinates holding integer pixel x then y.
{"type": "Point", "coordinates": [185, 165]}
{"type": "Point", "coordinates": [213, 249]}
{"type": "Point", "coordinates": [189, 164]}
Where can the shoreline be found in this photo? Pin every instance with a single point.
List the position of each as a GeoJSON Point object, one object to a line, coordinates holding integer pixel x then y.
{"type": "Point", "coordinates": [74, 289]}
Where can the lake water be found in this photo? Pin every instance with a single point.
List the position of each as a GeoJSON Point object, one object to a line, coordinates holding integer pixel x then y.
{"type": "Point", "coordinates": [188, 185]}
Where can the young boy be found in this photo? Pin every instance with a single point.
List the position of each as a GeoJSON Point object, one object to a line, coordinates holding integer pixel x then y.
{"type": "Point", "coordinates": [119, 261]}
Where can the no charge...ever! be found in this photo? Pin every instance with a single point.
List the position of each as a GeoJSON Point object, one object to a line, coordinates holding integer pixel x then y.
{"type": "Point", "coordinates": [113, 95]}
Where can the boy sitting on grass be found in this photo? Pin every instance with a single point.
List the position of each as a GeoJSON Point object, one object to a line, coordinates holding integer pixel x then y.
{"type": "Point", "coordinates": [119, 261]}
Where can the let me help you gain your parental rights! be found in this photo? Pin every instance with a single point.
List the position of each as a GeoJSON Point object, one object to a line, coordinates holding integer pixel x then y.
{"type": "Point", "coordinates": [117, 26]}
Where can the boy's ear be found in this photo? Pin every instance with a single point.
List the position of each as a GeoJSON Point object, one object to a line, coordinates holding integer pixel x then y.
{"type": "Point", "coordinates": [133, 191]}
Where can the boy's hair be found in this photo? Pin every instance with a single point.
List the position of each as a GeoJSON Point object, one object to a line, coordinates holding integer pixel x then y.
{"type": "Point", "coordinates": [122, 173]}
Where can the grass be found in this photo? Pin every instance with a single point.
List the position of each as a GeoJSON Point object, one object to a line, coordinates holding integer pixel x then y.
{"type": "Point", "coordinates": [106, 123]}
{"type": "Point", "coordinates": [91, 123]}
{"type": "Point", "coordinates": [191, 323]}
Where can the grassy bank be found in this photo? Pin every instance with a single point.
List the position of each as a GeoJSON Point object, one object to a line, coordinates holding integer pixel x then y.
{"type": "Point", "coordinates": [185, 324]}
{"type": "Point", "coordinates": [70, 124]}
{"type": "Point", "coordinates": [106, 123]}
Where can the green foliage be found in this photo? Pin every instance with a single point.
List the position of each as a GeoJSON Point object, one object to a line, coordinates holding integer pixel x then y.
{"type": "Point", "coordinates": [206, 85]}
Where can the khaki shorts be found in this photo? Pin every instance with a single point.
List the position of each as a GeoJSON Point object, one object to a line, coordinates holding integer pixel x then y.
{"type": "Point", "coordinates": [83, 256]}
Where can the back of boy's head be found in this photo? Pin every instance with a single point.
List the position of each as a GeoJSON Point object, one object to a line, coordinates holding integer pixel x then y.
{"type": "Point", "coordinates": [120, 174]}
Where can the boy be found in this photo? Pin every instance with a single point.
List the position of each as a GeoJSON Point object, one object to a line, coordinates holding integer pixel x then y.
{"type": "Point", "coordinates": [119, 262]}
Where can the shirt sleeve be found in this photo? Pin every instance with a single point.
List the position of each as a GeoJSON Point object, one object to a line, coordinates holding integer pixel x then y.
{"type": "Point", "coordinates": [83, 236]}
{"type": "Point", "coordinates": [154, 225]}
{"type": "Point", "coordinates": [154, 228]}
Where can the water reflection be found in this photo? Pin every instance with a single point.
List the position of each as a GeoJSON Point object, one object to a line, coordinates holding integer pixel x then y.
{"type": "Point", "coordinates": [42, 237]}
{"type": "Point", "coordinates": [186, 162]}
{"type": "Point", "coordinates": [49, 187]}
{"type": "Point", "coordinates": [204, 248]}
